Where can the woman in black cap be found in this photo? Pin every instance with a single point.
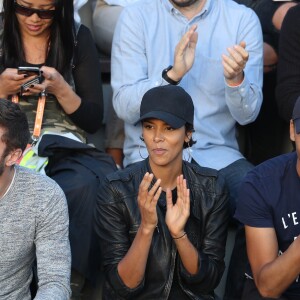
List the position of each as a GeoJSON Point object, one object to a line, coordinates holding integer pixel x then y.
{"type": "Point", "coordinates": [162, 222]}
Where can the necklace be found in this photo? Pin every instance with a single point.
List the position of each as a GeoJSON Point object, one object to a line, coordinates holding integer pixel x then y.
{"type": "Point", "coordinates": [10, 185]}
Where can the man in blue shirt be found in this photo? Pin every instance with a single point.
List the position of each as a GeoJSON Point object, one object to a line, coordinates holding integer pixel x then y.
{"type": "Point", "coordinates": [269, 206]}
{"type": "Point", "coordinates": [214, 50]}
{"type": "Point", "coordinates": [215, 47]}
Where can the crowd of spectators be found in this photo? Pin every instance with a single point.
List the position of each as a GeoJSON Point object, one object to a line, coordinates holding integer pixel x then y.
{"type": "Point", "coordinates": [204, 94]}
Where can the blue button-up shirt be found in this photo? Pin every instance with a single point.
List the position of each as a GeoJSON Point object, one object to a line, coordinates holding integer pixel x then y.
{"type": "Point", "coordinates": [145, 38]}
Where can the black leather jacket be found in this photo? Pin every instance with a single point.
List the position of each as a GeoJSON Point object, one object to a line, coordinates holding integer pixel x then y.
{"type": "Point", "coordinates": [117, 220]}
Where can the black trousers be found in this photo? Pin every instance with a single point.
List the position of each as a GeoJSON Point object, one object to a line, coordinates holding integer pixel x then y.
{"type": "Point", "coordinates": [79, 170]}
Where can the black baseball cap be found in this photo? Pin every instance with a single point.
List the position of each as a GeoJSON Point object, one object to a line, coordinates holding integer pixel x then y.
{"type": "Point", "coordinates": [169, 103]}
{"type": "Point", "coordinates": [296, 115]}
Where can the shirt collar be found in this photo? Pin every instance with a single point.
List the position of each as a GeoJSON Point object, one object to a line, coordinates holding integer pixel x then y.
{"type": "Point", "coordinates": [205, 10]}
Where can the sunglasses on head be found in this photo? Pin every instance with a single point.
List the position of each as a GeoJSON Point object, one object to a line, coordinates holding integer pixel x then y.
{"type": "Point", "coordinates": [26, 11]}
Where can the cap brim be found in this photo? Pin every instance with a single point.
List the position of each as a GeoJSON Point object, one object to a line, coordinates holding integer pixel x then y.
{"type": "Point", "coordinates": [170, 119]}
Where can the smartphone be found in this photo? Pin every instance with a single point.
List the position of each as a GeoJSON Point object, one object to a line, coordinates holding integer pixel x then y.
{"type": "Point", "coordinates": [33, 81]}
{"type": "Point", "coordinates": [30, 71]}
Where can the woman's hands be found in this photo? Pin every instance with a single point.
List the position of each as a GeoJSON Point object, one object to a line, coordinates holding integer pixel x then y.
{"type": "Point", "coordinates": [176, 218]}
{"type": "Point", "coordinates": [53, 83]}
{"type": "Point", "coordinates": [11, 81]}
{"type": "Point", "coordinates": [178, 213]}
{"type": "Point", "coordinates": [132, 267]}
{"type": "Point", "coordinates": [147, 201]}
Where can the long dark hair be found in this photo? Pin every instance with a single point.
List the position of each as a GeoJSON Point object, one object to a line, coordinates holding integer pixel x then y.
{"type": "Point", "coordinates": [61, 40]}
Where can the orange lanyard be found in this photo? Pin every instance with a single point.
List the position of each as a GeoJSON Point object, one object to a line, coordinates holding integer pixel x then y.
{"type": "Point", "coordinates": [39, 115]}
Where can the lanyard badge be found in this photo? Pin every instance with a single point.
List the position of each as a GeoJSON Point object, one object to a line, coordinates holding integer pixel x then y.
{"type": "Point", "coordinates": [39, 115]}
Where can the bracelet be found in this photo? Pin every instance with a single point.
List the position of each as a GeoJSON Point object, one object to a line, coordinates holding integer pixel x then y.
{"type": "Point", "coordinates": [177, 238]}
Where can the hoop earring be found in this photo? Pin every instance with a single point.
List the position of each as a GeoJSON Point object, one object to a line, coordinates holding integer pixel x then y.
{"type": "Point", "coordinates": [142, 138]}
{"type": "Point", "coordinates": [189, 152]}
{"type": "Point", "coordinates": [141, 153]}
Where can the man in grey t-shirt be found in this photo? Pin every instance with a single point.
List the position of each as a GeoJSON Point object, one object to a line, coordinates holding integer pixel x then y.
{"type": "Point", "coordinates": [33, 220]}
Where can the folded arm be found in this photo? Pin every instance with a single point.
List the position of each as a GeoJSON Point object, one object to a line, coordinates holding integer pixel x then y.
{"type": "Point", "coordinates": [272, 273]}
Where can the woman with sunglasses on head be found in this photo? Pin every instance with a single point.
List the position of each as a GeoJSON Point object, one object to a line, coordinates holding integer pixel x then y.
{"type": "Point", "coordinates": [43, 34]}
{"type": "Point", "coordinates": [162, 222]}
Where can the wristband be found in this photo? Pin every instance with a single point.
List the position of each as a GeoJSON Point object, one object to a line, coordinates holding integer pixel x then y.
{"type": "Point", "coordinates": [177, 238]}
{"type": "Point", "coordinates": [167, 78]}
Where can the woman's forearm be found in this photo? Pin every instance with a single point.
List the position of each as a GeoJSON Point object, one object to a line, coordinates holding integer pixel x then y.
{"type": "Point", "coordinates": [67, 98]}
{"type": "Point", "coordinates": [132, 267]}
{"type": "Point", "coordinates": [188, 254]}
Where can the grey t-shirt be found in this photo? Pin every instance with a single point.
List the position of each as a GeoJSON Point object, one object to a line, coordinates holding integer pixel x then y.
{"type": "Point", "coordinates": [34, 224]}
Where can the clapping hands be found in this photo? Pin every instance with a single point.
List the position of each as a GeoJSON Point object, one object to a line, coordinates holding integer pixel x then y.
{"type": "Point", "coordinates": [177, 214]}
{"type": "Point", "coordinates": [147, 201]}
{"type": "Point", "coordinates": [184, 54]}
{"type": "Point", "coordinates": [234, 63]}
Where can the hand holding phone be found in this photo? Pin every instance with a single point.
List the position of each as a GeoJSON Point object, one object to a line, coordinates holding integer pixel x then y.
{"type": "Point", "coordinates": [30, 71]}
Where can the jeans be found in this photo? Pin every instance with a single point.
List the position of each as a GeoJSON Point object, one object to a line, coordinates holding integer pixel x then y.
{"type": "Point", "coordinates": [234, 174]}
